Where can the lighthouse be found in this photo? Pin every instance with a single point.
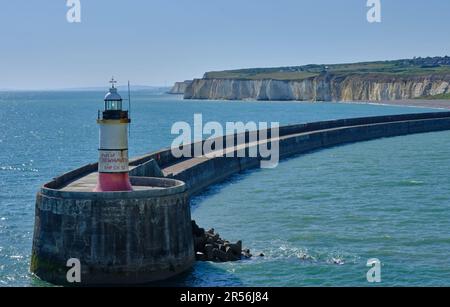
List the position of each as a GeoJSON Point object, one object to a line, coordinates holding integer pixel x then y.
{"type": "Point", "coordinates": [113, 149]}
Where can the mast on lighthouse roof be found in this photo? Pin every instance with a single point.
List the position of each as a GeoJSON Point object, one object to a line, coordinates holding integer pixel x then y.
{"type": "Point", "coordinates": [113, 151]}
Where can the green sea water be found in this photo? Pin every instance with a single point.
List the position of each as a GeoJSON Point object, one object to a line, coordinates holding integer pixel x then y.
{"type": "Point", "coordinates": [317, 218]}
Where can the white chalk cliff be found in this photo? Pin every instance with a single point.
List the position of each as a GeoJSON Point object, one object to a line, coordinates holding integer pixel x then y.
{"type": "Point", "coordinates": [326, 87]}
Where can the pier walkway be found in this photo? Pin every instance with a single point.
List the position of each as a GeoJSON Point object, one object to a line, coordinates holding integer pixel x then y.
{"type": "Point", "coordinates": [200, 172]}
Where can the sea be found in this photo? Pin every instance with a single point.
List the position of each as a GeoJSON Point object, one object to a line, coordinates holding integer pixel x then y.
{"type": "Point", "coordinates": [315, 220]}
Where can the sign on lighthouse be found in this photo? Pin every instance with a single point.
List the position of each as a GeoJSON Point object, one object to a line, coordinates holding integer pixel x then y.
{"type": "Point", "coordinates": [113, 151]}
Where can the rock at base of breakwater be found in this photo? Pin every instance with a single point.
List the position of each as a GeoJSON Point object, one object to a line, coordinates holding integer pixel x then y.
{"type": "Point", "coordinates": [209, 246]}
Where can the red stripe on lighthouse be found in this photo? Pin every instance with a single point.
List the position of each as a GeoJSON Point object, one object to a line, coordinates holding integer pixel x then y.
{"type": "Point", "coordinates": [113, 182]}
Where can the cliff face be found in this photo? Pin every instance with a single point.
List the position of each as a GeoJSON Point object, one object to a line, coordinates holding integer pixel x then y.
{"type": "Point", "coordinates": [325, 87]}
{"type": "Point", "coordinates": [180, 87]}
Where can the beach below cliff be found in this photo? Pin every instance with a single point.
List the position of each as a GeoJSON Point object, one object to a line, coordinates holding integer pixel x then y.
{"type": "Point", "coordinates": [418, 103]}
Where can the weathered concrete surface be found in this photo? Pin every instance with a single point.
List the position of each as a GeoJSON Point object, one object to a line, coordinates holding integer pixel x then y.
{"type": "Point", "coordinates": [147, 169]}
{"type": "Point", "coordinates": [200, 172]}
{"type": "Point", "coordinates": [119, 237]}
{"type": "Point", "coordinates": [146, 235]}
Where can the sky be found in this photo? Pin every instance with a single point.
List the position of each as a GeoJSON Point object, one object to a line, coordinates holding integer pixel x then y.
{"type": "Point", "coordinates": [158, 42]}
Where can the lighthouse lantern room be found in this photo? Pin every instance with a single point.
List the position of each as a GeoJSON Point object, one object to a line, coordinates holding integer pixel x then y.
{"type": "Point", "coordinates": [113, 151]}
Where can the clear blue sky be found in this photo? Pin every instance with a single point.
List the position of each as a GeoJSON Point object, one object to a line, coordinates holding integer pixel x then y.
{"type": "Point", "coordinates": [157, 42]}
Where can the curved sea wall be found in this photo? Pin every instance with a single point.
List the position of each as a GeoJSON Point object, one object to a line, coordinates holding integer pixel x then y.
{"type": "Point", "coordinates": [326, 87]}
{"type": "Point", "coordinates": [146, 235]}
{"type": "Point", "coordinates": [304, 138]}
{"type": "Point", "coordinates": [118, 237]}
{"type": "Point", "coordinates": [200, 173]}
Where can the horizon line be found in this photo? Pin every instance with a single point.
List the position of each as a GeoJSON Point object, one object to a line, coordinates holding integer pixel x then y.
{"type": "Point", "coordinates": [81, 88]}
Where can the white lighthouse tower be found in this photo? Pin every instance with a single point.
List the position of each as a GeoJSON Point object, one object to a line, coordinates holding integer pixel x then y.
{"type": "Point", "coordinates": [113, 151]}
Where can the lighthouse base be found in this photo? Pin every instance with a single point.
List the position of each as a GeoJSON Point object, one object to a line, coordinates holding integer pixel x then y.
{"type": "Point", "coordinates": [113, 182]}
{"type": "Point", "coordinates": [119, 238]}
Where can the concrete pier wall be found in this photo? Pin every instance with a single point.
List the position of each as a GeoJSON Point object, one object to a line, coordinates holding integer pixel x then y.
{"type": "Point", "coordinates": [164, 157]}
{"type": "Point", "coordinates": [145, 235]}
{"type": "Point", "coordinates": [120, 238]}
{"type": "Point", "coordinates": [295, 141]}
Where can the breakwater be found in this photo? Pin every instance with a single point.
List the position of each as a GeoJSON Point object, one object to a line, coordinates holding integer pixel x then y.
{"type": "Point", "coordinates": [62, 214]}
{"type": "Point", "coordinates": [119, 237]}
{"type": "Point", "coordinates": [200, 172]}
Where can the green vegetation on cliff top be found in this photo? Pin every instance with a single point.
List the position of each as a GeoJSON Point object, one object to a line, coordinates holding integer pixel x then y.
{"type": "Point", "coordinates": [399, 68]}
